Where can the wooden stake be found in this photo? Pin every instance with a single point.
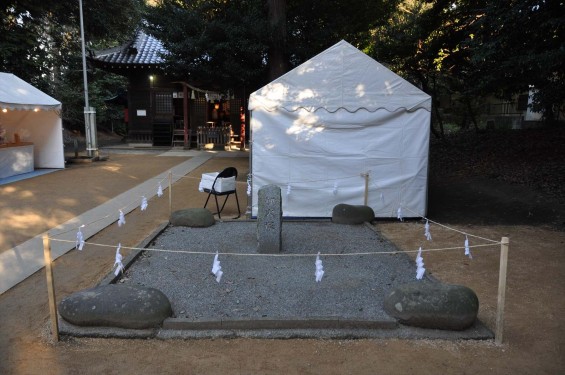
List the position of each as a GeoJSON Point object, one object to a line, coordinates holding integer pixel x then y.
{"type": "Point", "coordinates": [366, 197]}
{"type": "Point", "coordinates": [50, 287]}
{"type": "Point", "coordinates": [501, 290]}
{"type": "Point", "coordinates": [170, 193]}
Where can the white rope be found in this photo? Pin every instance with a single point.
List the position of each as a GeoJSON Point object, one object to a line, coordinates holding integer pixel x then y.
{"type": "Point", "coordinates": [286, 254]}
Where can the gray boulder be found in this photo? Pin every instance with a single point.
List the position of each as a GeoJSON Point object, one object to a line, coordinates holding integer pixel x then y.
{"type": "Point", "coordinates": [433, 305]}
{"type": "Point", "coordinates": [192, 217]}
{"type": "Point", "coordinates": [350, 214]}
{"type": "Point", "coordinates": [123, 306]}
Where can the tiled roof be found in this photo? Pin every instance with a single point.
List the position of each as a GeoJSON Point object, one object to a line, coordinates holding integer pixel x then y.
{"type": "Point", "coordinates": [144, 50]}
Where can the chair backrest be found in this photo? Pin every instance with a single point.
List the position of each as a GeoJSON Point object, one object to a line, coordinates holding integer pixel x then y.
{"type": "Point", "coordinates": [228, 172]}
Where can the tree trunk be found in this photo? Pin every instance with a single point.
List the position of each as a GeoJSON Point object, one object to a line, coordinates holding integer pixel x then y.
{"type": "Point", "coordinates": [278, 64]}
{"type": "Point", "coordinates": [472, 114]}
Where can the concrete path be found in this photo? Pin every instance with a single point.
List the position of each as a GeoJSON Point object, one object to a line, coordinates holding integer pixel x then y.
{"type": "Point", "coordinates": [21, 261]}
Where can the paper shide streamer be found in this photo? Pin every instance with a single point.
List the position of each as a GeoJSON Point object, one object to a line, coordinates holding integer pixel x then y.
{"type": "Point", "coordinates": [143, 203]}
{"type": "Point", "coordinates": [420, 270]}
{"type": "Point", "coordinates": [467, 250]}
{"type": "Point", "coordinates": [319, 268]}
{"type": "Point", "coordinates": [118, 262]}
{"type": "Point", "coordinates": [248, 185]}
{"type": "Point", "coordinates": [160, 190]}
{"type": "Point", "coordinates": [399, 214]}
{"type": "Point", "coordinates": [427, 231]}
{"type": "Point", "coordinates": [288, 189]}
{"type": "Point", "coordinates": [121, 219]}
{"type": "Point", "coordinates": [80, 239]}
{"type": "Point", "coordinates": [217, 269]}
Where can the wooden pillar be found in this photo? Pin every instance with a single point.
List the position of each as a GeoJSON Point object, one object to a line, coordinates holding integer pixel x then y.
{"type": "Point", "coordinates": [366, 195]}
{"type": "Point", "coordinates": [170, 193]}
{"type": "Point", "coordinates": [185, 110]}
{"type": "Point", "coordinates": [501, 290]}
{"type": "Point", "coordinates": [50, 287]}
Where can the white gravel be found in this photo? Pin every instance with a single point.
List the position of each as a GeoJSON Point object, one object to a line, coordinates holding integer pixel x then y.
{"type": "Point", "coordinates": [353, 287]}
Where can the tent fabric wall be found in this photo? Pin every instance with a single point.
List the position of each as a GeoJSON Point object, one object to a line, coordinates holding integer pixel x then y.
{"type": "Point", "coordinates": [35, 117]}
{"type": "Point", "coordinates": [317, 151]}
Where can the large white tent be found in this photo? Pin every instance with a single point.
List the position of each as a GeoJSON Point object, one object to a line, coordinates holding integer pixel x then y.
{"type": "Point", "coordinates": [318, 129]}
{"type": "Point", "coordinates": [35, 117]}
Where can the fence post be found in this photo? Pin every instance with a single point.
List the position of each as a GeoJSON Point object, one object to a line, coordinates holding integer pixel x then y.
{"type": "Point", "coordinates": [366, 195]}
{"type": "Point", "coordinates": [170, 193]}
{"type": "Point", "coordinates": [50, 287]}
{"type": "Point", "coordinates": [501, 290]}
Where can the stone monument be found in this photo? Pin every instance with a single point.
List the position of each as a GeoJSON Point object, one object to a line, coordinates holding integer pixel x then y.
{"type": "Point", "coordinates": [269, 220]}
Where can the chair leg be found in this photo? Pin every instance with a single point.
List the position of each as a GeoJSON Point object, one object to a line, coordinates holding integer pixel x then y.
{"type": "Point", "coordinates": [207, 199]}
{"type": "Point", "coordinates": [218, 207]}
{"type": "Point", "coordinates": [238, 210]}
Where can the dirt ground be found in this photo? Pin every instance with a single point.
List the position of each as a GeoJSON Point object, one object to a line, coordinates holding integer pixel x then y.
{"type": "Point", "coordinates": [534, 333]}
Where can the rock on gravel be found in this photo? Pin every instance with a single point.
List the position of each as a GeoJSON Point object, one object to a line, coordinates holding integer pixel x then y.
{"type": "Point", "coordinates": [433, 305]}
{"type": "Point", "coordinates": [123, 306]}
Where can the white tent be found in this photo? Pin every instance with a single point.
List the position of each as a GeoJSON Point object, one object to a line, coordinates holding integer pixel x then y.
{"type": "Point", "coordinates": [317, 129]}
{"type": "Point", "coordinates": [35, 117]}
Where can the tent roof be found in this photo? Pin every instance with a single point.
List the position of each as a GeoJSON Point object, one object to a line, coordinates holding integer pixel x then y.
{"type": "Point", "coordinates": [17, 94]}
{"type": "Point", "coordinates": [340, 77]}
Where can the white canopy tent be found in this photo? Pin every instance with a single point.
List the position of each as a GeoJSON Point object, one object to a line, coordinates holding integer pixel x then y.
{"type": "Point", "coordinates": [35, 117]}
{"type": "Point", "coordinates": [320, 127]}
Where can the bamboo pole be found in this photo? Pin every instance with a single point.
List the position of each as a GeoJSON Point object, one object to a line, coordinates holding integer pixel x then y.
{"type": "Point", "coordinates": [50, 287]}
{"type": "Point", "coordinates": [501, 290]}
{"type": "Point", "coordinates": [170, 193]}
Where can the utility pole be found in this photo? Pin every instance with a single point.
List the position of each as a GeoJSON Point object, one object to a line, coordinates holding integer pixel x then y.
{"type": "Point", "coordinates": [89, 112]}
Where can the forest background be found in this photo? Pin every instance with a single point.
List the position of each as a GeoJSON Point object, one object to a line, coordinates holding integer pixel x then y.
{"type": "Point", "coordinates": [466, 50]}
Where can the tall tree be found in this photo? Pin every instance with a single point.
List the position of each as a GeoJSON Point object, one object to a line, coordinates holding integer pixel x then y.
{"type": "Point", "coordinates": [518, 44]}
{"type": "Point", "coordinates": [226, 43]}
{"type": "Point", "coordinates": [40, 43]}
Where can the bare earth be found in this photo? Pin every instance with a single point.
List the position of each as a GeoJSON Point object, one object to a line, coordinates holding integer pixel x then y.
{"type": "Point", "coordinates": [534, 333]}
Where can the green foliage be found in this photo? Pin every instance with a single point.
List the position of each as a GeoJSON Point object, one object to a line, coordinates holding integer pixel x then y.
{"type": "Point", "coordinates": [215, 44]}
{"type": "Point", "coordinates": [40, 43]}
{"type": "Point", "coordinates": [227, 43]}
{"type": "Point", "coordinates": [472, 48]}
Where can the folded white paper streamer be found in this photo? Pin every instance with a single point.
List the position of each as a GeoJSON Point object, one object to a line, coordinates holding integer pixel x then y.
{"type": "Point", "coordinates": [80, 239]}
{"type": "Point", "coordinates": [420, 270]}
{"type": "Point", "coordinates": [427, 231]}
{"type": "Point", "coordinates": [467, 250]}
{"type": "Point", "coordinates": [319, 268]}
{"type": "Point", "coordinates": [121, 219]}
{"type": "Point", "coordinates": [216, 268]}
{"type": "Point", "coordinates": [118, 263]}
{"type": "Point", "coordinates": [143, 203]}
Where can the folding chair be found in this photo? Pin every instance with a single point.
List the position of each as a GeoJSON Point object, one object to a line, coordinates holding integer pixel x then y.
{"type": "Point", "coordinates": [226, 173]}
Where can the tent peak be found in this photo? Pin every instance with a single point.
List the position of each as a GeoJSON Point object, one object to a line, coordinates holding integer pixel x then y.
{"type": "Point", "coordinates": [342, 76]}
{"type": "Point", "coordinates": [17, 94]}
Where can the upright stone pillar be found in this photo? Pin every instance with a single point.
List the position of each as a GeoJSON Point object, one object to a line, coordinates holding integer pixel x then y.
{"type": "Point", "coordinates": [269, 220]}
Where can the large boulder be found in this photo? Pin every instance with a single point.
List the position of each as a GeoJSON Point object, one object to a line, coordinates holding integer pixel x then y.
{"type": "Point", "coordinates": [192, 217]}
{"type": "Point", "coordinates": [433, 305]}
{"type": "Point", "coordinates": [123, 306]}
{"type": "Point", "coordinates": [351, 214]}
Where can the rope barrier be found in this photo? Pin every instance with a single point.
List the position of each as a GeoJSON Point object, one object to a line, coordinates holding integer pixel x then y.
{"type": "Point", "coordinates": [285, 255]}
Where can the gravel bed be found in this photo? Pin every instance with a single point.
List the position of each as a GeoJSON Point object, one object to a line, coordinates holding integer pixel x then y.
{"type": "Point", "coordinates": [353, 287]}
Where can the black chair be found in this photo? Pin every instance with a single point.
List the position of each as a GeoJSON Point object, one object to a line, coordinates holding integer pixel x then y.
{"type": "Point", "coordinates": [226, 173]}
